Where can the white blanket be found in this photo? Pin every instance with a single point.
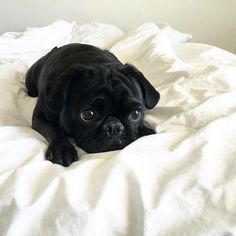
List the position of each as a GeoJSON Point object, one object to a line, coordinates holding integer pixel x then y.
{"type": "Point", "coordinates": [180, 181]}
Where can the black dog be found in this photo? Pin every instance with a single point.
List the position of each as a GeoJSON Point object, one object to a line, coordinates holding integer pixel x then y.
{"type": "Point", "coordinates": [87, 94]}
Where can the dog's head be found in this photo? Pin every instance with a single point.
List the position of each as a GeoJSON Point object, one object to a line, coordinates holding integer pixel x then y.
{"type": "Point", "coordinates": [102, 109]}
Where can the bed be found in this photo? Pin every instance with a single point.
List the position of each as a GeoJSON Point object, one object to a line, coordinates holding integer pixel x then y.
{"type": "Point", "coordinates": [180, 181]}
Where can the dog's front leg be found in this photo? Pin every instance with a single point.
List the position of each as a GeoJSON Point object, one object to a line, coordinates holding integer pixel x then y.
{"type": "Point", "coordinates": [60, 150]}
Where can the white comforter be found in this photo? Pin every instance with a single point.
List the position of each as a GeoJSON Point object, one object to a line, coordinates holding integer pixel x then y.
{"type": "Point", "coordinates": [180, 181]}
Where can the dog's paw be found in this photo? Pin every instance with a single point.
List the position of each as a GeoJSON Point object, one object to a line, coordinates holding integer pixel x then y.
{"type": "Point", "coordinates": [146, 131]}
{"type": "Point", "coordinates": [61, 153]}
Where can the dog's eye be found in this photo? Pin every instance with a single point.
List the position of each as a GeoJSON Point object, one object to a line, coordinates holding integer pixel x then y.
{"type": "Point", "coordinates": [135, 115]}
{"type": "Point", "coordinates": [87, 115]}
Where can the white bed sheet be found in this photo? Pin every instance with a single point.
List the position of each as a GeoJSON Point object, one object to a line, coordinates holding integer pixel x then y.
{"type": "Point", "coordinates": [180, 181]}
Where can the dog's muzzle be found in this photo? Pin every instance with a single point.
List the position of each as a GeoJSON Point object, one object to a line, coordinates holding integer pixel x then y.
{"type": "Point", "coordinates": [113, 127]}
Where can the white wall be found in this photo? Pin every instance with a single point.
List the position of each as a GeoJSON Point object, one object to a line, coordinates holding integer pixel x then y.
{"type": "Point", "coordinates": [209, 21]}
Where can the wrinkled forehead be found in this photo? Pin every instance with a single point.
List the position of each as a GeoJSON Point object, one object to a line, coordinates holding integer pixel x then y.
{"type": "Point", "coordinates": [118, 86]}
{"type": "Point", "coordinates": [110, 85]}
{"type": "Point", "coordinates": [123, 90]}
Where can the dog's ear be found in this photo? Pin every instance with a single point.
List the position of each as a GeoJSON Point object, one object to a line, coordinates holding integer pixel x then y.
{"type": "Point", "coordinates": [57, 94]}
{"type": "Point", "coordinates": [150, 94]}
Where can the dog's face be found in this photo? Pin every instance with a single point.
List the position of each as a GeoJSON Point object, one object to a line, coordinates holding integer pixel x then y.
{"type": "Point", "coordinates": [102, 109]}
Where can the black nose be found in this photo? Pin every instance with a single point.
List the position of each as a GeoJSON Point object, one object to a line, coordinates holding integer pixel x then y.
{"type": "Point", "coordinates": [113, 127]}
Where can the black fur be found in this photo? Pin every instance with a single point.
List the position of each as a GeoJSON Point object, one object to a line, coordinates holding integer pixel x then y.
{"type": "Point", "coordinates": [76, 82]}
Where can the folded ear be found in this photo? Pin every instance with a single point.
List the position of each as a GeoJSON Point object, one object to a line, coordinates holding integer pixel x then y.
{"type": "Point", "coordinates": [56, 97]}
{"type": "Point", "coordinates": [150, 94]}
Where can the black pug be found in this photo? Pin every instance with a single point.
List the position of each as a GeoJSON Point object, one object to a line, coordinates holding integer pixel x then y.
{"type": "Point", "coordinates": [87, 94]}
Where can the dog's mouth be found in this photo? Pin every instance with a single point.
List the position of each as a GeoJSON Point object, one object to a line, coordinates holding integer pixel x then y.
{"type": "Point", "coordinates": [104, 145]}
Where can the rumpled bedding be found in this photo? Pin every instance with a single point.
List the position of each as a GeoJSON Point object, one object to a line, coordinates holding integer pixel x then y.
{"type": "Point", "coordinates": [180, 181]}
